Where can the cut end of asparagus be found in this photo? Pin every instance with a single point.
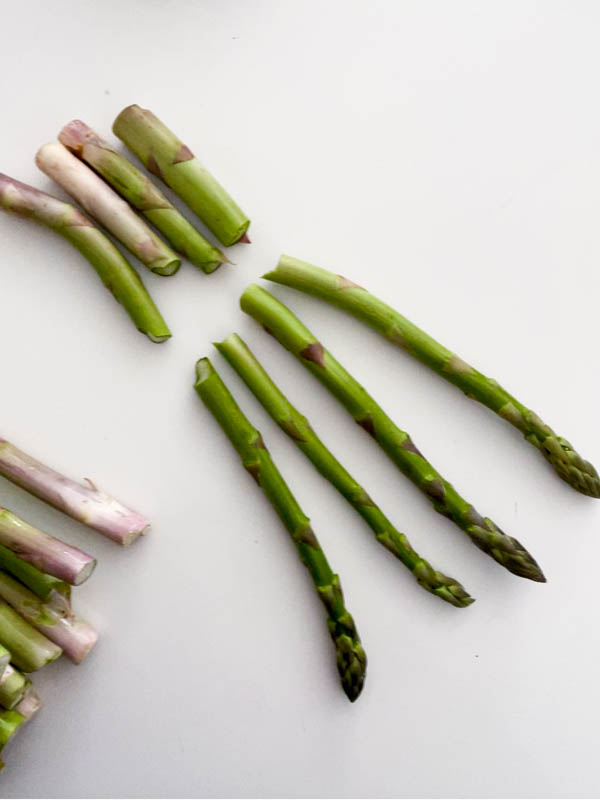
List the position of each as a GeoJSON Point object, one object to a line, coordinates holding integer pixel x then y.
{"type": "Point", "coordinates": [204, 370]}
{"type": "Point", "coordinates": [158, 338]}
{"type": "Point", "coordinates": [85, 572]}
{"type": "Point", "coordinates": [30, 704]}
{"type": "Point", "coordinates": [168, 267]}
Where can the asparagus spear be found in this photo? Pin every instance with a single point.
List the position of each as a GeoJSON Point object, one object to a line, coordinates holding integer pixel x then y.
{"type": "Point", "coordinates": [13, 687]}
{"type": "Point", "coordinates": [43, 551]}
{"type": "Point", "coordinates": [345, 294]}
{"type": "Point", "coordinates": [87, 504]}
{"type": "Point", "coordinates": [49, 589]}
{"type": "Point", "coordinates": [165, 156]}
{"type": "Point", "coordinates": [29, 649]}
{"type": "Point", "coordinates": [114, 270]}
{"type": "Point", "coordinates": [297, 427]}
{"type": "Point", "coordinates": [294, 336]}
{"type": "Point", "coordinates": [102, 203]}
{"type": "Point", "coordinates": [10, 720]}
{"type": "Point", "coordinates": [73, 635]}
{"type": "Point", "coordinates": [4, 659]}
{"type": "Point", "coordinates": [351, 658]}
{"type": "Point", "coordinates": [141, 193]}
{"type": "Point", "coordinates": [30, 704]}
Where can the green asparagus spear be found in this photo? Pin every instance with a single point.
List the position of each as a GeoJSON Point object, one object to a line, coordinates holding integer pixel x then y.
{"type": "Point", "coordinates": [10, 720]}
{"type": "Point", "coordinates": [29, 649]}
{"type": "Point", "coordinates": [13, 686]}
{"type": "Point", "coordinates": [48, 588]}
{"type": "Point", "coordinates": [165, 156]}
{"type": "Point", "coordinates": [351, 658]}
{"type": "Point", "coordinates": [141, 193]}
{"type": "Point", "coordinates": [112, 267]}
{"type": "Point", "coordinates": [297, 427]}
{"type": "Point", "coordinates": [345, 294]}
{"type": "Point", "coordinates": [293, 335]}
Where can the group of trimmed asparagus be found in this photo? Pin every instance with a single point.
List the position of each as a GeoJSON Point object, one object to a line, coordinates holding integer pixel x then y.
{"type": "Point", "coordinates": [37, 571]}
{"type": "Point", "coordinates": [289, 331]}
{"type": "Point", "coordinates": [109, 188]}
{"type": "Point", "coordinates": [101, 181]}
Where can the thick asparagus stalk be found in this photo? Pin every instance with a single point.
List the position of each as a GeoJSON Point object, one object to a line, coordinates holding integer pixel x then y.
{"type": "Point", "coordinates": [10, 720]}
{"type": "Point", "coordinates": [82, 502]}
{"type": "Point", "coordinates": [165, 156]}
{"type": "Point", "coordinates": [13, 687]}
{"type": "Point", "coordinates": [142, 194]}
{"type": "Point", "coordinates": [351, 658]}
{"type": "Point", "coordinates": [102, 203]}
{"type": "Point", "coordinates": [45, 552]}
{"type": "Point", "coordinates": [114, 270]}
{"type": "Point", "coordinates": [345, 294]}
{"type": "Point", "coordinates": [73, 635]}
{"type": "Point", "coordinates": [30, 704]}
{"type": "Point", "coordinates": [29, 649]}
{"type": "Point", "coordinates": [297, 427]}
{"type": "Point", "coordinates": [294, 336]}
{"type": "Point", "coordinates": [4, 659]}
{"type": "Point", "coordinates": [49, 589]}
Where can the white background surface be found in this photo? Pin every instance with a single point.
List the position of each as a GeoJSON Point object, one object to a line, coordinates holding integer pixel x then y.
{"type": "Point", "coordinates": [447, 156]}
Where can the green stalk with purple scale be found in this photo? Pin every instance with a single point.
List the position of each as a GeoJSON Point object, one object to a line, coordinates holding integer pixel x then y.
{"type": "Point", "coordinates": [295, 337]}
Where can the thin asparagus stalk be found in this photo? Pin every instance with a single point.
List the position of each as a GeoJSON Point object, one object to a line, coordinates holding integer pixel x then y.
{"type": "Point", "coordinates": [297, 427]}
{"type": "Point", "coordinates": [45, 552]}
{"type": "Point", "coordinates": [49, 589]}
{"type": "Point", "coordinates": [4, 659]}
{"type": "Point", "coordinates": [345, 294]}
{"type": "Point", "coordinates": [114, 270]}
{"type": "Point", "coordinates": [13, 687]}
{"type": "Point", "coordinates": [10, 720]}
{"type": "Point", "coordinates": [141, 193]}
{"type": "Point", "coordinates": [351, 658]}
{"type": "Point", "coordinates": [85, 503]}
{"type": "Point", "coordinates": [104, 205]}
{"type": "Point", "coordinates": [30, 704]}
{"type": "Point", "coordinates": [29, 649]}
{"type": "Point", "coordinates": [293, 335]}
{"type": "Point", "coordinates": [165, 156]}
{"type": "Point", "coordinates": [73, 635]}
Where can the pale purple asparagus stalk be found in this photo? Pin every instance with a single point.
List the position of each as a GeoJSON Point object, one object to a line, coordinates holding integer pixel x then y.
{"type": "Point", "coordinates": [82, 502]}
{"type": "Point", "coordinates": [73, 635]}
{"type": "Point", "coordinates": [47, 553]}
{"type": "Point", "coordinates": [103, 203]}
{"type": "Point", "coordinates": [30, 704]}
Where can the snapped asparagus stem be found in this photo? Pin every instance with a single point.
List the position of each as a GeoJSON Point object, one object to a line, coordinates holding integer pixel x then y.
{"type": "Point", "coordinates": [165, 156]}
{"type": "Point", "coordinates": [29, 649]}
{"type": "Point", "coordinates": [104, 205]}
{"type": "Point", "coordinates": [13, 687]}
{"type": "Point", "coordinates": [350, 297]}
{"type": "Point", "coordinates": [73, 635]}
{"type": "Point", "coordinates": [45, 552]}
{"type": "Point", "coordinates": [297, 427]}
{"type": "Point", "coordinates": [49, 589]}
{"type": "Point", "coordinates": [10, 720]}
{"type": "Point", "coordinates": [113, 268]}
{"type": "Point", "coordinates": [30, 704]}
{"type": "Point", "coordinates": [351, 658]}
{"type": "Point", "coordinates": [142, 194]}
{"type": "Point", "coordinates": [85, 503]}
{"type": "Point", "coordinates": [4, 659]}
{"type": "Point", "coordinates": [295, 337]}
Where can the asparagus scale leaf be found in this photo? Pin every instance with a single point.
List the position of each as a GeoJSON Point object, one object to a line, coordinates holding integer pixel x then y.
{"type": "Point", "coordinates": [141, 193]}
{"type": "Point", "coordinates": [113, 268]}
{"type": "Point", "coordinates": [165, 156]}
{"type": "Point", "coordinates": [351, 657]}
{"type": "Point", "coordinates": [341, 292]}
{"type": "Point", "coordinates": [295, 337]}
{"type": "Point", "coordinates": [299, 430]}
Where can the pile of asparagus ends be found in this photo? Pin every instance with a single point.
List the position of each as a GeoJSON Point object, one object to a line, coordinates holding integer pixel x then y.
{"type": "Point", "coordinates": [122, 199]}
{"type": "Point", "coordinates": [290, 332]}
{"type": "Point", "coordinates": [37, 573]}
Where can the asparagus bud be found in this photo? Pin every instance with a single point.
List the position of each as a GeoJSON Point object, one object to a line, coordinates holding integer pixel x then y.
{"type": "Point", "coordinates": [102, 203]}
